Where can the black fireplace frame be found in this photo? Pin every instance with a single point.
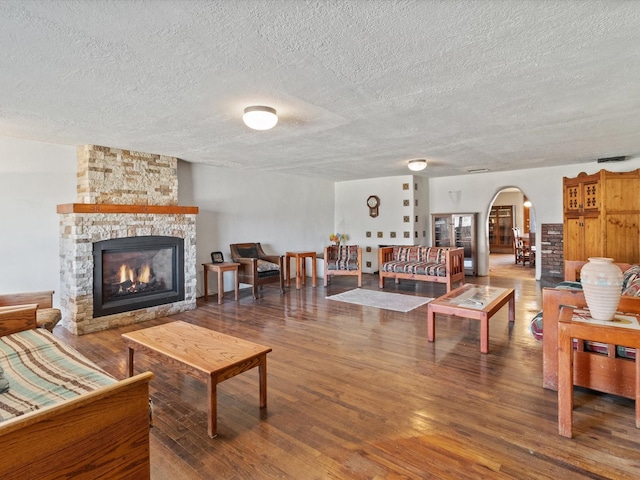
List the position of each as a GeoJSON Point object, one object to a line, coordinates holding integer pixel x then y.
{"type": "Point", "coordinates": [176, 244]}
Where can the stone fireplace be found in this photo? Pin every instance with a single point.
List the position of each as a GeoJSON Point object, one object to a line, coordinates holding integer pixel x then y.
{"type": "Point", "coordinates": [137, 272]}
{"type": "Point", "coordinates": [127, 250]}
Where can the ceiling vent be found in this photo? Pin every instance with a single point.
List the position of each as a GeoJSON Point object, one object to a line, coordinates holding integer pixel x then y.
{"type": "Point", "coordinates": [477, 170]}
{"type": "Point", "coordinates": [611, 159]}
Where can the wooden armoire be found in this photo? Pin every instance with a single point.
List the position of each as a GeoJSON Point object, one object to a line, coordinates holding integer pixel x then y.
{"type": "Point", "coordinates": [601, 216]}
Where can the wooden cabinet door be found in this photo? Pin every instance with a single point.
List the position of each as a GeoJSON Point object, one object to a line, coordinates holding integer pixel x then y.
{"type": "Point", "coordinates": [582, 238]}
{"type": "Point", "coordinates": [592, 237]}
{"type": "Point", "coordinates": [590, 196]}
{"type": "Point", "coordinates": [573, 235]}
{"type": "Point", "coordinates": [623, 237]}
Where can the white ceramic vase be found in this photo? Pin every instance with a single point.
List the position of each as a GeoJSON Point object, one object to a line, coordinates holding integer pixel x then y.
{"type": "Point", "coordinates": [602, 283]}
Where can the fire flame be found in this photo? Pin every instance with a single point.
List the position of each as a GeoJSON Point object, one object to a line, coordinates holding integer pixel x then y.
{"type": "Point", "coordinates": [145, 274]}
{"type": "Point", "coordinates": [125, 273]}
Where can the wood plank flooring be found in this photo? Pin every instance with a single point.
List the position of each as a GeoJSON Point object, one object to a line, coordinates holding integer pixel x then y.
{"type": "Point", "coordinates": [358, 393]}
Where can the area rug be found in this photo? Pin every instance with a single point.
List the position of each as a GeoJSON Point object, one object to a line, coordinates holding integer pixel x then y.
{"type": "Point", "coordinates": [388, 301]}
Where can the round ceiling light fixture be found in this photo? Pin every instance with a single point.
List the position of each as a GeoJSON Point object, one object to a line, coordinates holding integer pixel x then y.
{"type": "Point", "coordinates": [417, 164]}
{"type": "Point", "coordinates": [260, 117]}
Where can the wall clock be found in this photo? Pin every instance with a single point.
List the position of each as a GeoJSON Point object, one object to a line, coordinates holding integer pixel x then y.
{"type": "Point", "coordinates": [373, 202]}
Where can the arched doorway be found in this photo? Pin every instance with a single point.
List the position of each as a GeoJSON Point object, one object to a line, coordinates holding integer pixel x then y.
{"type": "Point", "coordinates": [510, 214]}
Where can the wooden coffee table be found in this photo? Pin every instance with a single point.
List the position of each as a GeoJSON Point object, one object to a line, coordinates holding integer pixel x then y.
{"type": "Point", "coordinates": [478, 302]}
{"type": "Point", "coordinates": [202, 353]}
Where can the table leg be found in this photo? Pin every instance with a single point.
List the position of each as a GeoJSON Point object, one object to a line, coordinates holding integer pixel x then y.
{"type": "Point", "coordinates": [235, 272]}
{"type": "Point", "coordinates": [212, 395]}
{"type": "Point", "coordinates": [130, 361]}
{"type": "Point", "coordinates": [303, 270]}
{"type": "Point", "coordinates": [220, 285]}
{"type": "Point", "coordinates": [431, 326]}
{"type": "Point", "coordinates": [297, 272]}
{"type": "Point", "coordinates": [565, 383]}
{"type": "Point", "coordinates": [512, 308]}
{"type": "Point", "coordinates": [314, 281]}
{"type": "Point", "coordinates": [484, 333]}
{"type": "Point", "coordinates": [206, 286]}
{"type": "Point", "coordinates": [287, 260]}
{"type": "Point", "coordinates": [262, 373]}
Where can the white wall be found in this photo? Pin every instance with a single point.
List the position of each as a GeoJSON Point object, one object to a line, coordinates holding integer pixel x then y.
{"type": "Point", "coordinates": [542, 186]}
{"type": "Point", "coordinates": [352, 214]}
{"type": "Point", "coordinates": [35, 177]}
{"type": "Point", "coordinates": [282, 212]}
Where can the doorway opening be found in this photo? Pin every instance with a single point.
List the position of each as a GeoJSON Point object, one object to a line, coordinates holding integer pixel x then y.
{"type": "Point", "coordinates": [511, 232]}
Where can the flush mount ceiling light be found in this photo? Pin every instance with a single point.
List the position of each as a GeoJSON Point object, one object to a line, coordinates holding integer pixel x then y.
{"type": "Point", "coordinates": [417, 164]}
{"type": "Point", "coordinates": [260, 117]}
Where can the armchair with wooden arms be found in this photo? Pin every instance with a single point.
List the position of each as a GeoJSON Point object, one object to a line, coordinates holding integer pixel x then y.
{"type": "Point", "coordinates": [343, 260]}
{"type": "Point", "coordinates": [256, 267]}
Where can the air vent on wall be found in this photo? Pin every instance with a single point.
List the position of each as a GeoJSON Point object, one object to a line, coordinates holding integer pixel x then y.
{"type": "Point", "coordinates": [611, 159]}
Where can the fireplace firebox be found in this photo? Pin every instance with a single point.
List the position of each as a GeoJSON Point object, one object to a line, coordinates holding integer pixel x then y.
{"type": "Point", "coordinates": [137, 272]}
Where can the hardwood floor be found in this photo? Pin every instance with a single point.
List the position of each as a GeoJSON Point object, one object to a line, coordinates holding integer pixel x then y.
{"type": "Point", "coordinates": [358, 393]}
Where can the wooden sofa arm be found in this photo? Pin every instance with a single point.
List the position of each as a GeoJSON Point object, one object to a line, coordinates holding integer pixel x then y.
{"type": "Point", "coordinates": [385, 254]}
{"type": "Point", "coordinates": [43, 299]}
{"type": "Point", "coordinates": [17, 318]}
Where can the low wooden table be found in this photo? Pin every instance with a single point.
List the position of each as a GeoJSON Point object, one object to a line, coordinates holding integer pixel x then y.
{"type": "Point", "coordinates": [477, 302]}
{"type": "Point", "coordinates": [623, 330]}
{"type": "Point", "coordinates": [220, 268]}
{"type": "Point", "coordinates": [202, 353]}
{"type": "Point", "coordinates": [301, 268]}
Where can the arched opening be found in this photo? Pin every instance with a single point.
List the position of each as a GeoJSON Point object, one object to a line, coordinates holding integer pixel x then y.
{"type": "Point", "coordinates": [511, 234]}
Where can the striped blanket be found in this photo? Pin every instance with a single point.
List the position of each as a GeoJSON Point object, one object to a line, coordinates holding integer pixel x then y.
{"type": "Point", "coordinates": [42, 371]}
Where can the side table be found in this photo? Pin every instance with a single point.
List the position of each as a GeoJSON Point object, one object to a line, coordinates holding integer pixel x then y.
{"type": "Point", "coordinates": [624, 330]}
{"type": "Point", "coordinates": [301, 268]}
{"type": "Point", "coordinates": [220, 268]}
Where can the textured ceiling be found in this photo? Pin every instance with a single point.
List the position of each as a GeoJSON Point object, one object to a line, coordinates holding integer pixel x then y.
{"type": "Point", "coordinates": [360, 86]}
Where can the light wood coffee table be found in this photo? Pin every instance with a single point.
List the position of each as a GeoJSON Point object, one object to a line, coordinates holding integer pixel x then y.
{"type": "Point", "coordinates": [202, 353]}
{"type": "Point", "coordinates": [477, 302]}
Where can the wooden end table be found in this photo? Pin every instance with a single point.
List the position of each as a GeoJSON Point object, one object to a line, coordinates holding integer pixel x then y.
{"type": "Point", "coordinates": [220, 268]}
{"type": "Point", "coordinates": [301, 268]}
{"type": "Point", "coordinates": [477, 302]}
{"type": "Point", "coordinates": [203, 354]}
{"type": "Point", "coordinates": [623, 330]}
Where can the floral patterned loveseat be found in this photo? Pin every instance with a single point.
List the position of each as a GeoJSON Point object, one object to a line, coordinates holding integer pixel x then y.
{"type": "Point", "coordinates": [427, 264]}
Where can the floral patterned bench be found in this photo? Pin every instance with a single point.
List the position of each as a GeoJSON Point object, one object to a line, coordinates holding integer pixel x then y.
{"type": "Point", "coordinates": [426, 264]}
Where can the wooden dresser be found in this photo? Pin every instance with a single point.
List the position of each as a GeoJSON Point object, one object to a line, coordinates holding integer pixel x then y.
{"type": "Point", "coordinates": [602, 215]}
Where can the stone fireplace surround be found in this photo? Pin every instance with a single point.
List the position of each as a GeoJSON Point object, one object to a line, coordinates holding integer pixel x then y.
{"type": "Point", "coordinates": [121, 194]}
